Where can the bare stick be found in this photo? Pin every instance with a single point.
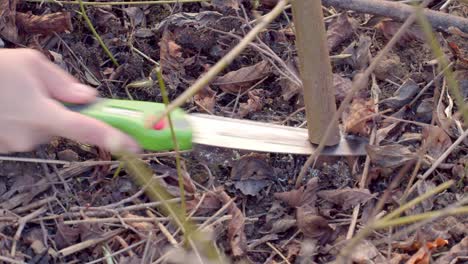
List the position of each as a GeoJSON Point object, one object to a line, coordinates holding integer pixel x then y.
{"type": "Point", "coordinates": [88, 243]}
{"type": "Point", "coordinates": [316, 72]}
{"type": "Point", "coordinates": [400, 12]}
{"type": "Point", "coordinates": [22, 223]}
{"type": "Point", "coordinates": [358, 84]}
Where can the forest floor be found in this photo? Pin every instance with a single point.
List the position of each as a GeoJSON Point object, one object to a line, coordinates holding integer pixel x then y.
{"type": "Point", "coordinates": [79, 207]}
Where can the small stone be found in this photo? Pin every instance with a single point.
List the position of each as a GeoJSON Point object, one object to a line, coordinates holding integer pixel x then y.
{"type": "Point", "coordinates": [68, 155]}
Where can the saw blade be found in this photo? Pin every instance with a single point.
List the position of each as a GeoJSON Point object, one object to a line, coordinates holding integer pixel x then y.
{"type": "Point", "coordinates": [264, 137]}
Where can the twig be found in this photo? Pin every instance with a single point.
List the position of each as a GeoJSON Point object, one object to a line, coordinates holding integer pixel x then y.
{"type": "Point", "coordinates": [440, 160]}
{"type": "Point", "coordinates": [117, 252]}
{"type": "Point", "coordinates": [358, 84]}
{"type": "Point", "coordinates": [278, 252]}
{"type": "Point", "coordinates": [33, 205]}
{"type": "Point", "coordinates": [22, 223]}
{"type": "Point", "coordinates": [135, 219]}
{"type": "Point", "coordinates": [96, 35]}
{"type": "Point", "coordinates": [400, 12]}
{"type": "Point", "coordinates": [10, 260]}
{"type": "Point", "coordinates": [88, 243]}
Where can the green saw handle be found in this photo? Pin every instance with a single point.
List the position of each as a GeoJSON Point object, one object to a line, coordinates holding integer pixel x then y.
{"type": "Point", "coordinates": [134, 118]}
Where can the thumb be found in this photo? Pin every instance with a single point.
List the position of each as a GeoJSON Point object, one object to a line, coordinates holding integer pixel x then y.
{"type": "Point", "coordinates": [81, 128]}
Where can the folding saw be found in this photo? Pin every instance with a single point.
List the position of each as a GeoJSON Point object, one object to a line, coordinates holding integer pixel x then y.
{"type": "Point", "coordinates": [134, 118]}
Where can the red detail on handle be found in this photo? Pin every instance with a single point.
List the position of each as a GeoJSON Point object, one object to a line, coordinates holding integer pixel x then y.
{"type": "Point", "coordinates": [160, 125]}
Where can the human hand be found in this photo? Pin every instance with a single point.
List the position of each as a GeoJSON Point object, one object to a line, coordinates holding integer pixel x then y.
{"type": "Point", "coordinates": [31, 91]}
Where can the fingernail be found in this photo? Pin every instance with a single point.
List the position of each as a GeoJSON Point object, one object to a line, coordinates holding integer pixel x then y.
{"type": "Point", "coordinates": [83, 90]}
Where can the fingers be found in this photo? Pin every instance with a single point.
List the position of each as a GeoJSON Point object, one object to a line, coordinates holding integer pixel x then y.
{"type": "Point", "coordinates": [57, 82]}
{"type": "Point", "coordinates": [84, 129]}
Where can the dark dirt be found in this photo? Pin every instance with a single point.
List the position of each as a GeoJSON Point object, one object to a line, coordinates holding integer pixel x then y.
{"type": "Point", "coordinates": [190, 48]}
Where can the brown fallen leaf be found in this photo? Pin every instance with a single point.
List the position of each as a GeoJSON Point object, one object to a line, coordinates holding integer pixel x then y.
{"type": "Point", "coordinates": [236, 234]}
{"type": "Point", "coordinates": [390, 156]}
{"type": "Point", "coordinates": [389, 67]}
{"type": "Point", "coordinates": [347, 197]}
{"type": "Point", "coordinates": [66, 235]}
{"type": "Point", "coordinates": [282, 225]}
{"type": "Point", "coordinates": [209, 205]}
{"type": "Point", "coordinates": [402, 96]}
{"type": "Point", "coordinates": [360, 53]}
{"type": "Point", "coordinates": [8, 29]}
{"type": "Point", "coordinates": [437, 139]}
{"type": "Point", "coordinates": [34, 240]}
{"type": "Point", "coordinates": [390, 27]}
{"type": "Point", "coordinates": [293, 250]}
{"type": "Point", "coordinates": [312, 225]}
{"type": "Point", "coordinates": [340, 30]}
{"type": "Point", "coordinates": [170, 180]}
{"type": "Point", "coordinates": [225, 4]}
{"type": "Point", "coordinates": [254, 103]}
{"type": "Point", "coordinates": [342, 86]}
{"type": "Point", "coordinates": [142, 226]}
{"type": "Point", "coordinates": [460, 56]}
{"type": "Point", "coordinates": [243, 78]}
{"type": "Point", "coordinates": [459, 250]}
{"type": "Point", "coordinates": [423, 255]}
{"type": "Point", "coordinates": [205, 99]}
{"type": "Point", "coordinates": [47, 24]}
{"type": "Point", "coordinates": [305, 195]}
{"type": "Point", "coordinates": [366, 252]}
{"type": "Point", "coordinates": [172, 61]}
{"type": "Point", "coordinates": [358, 116]}
{"type": "Point", "coordinates": [252, 173]}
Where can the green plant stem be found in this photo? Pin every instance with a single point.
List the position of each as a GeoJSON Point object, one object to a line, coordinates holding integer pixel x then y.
{"type": "Point", "coordinates": [443, 62]}
{"type": "Point", "coordinates": [227, 59]}
{"type": "Point", "coordinates": [418, 217]}
{"type": "Point", "coordinates": [118, 3]}
{"type": "Point", "coordinates": [417, 200]}
{"type": "Point", "coordinates": [91, 27]}
{"type": "Point", "coordinates": [174, 139]}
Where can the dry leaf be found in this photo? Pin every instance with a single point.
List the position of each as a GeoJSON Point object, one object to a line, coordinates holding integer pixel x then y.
{"type": "Point", "coordinates": [136, 15]}
{"type": "Point", "coordinates": [205, 99]}
{"type": "Point", "coordinates": [402, 96]}
{"type": "Point", "coordinates": [34, 240]}
{"type": "Point", "coordinates": [366, 252]}
{"type": "Point", "coordinates": [66, 235]}
{"type": "Point", "coordinates": [389, 67]}
{"type": "Point", "coordinates": [425, 110]}
{"type": "Point", "coordinates": [282, 225]}
{"type": "Point", "coordinates": [266, 238]}
{"type": "Point", "coordinates": [209, 205]}
{"type": "Point", "coordinates": [225, 4]}
{"type": "Point", "coordinates": [346, 197]}
{"type": "Point", "coordinates": [8, 29]}
{"type": "Point", "coordinates": [305, 195]}
{"type": "Point", "coordinates": [437, 139]}
{"type": "Point", "coordinates": [244, 78]}
{"type": "Point", "coordinates": [293, 250]}
{"type": "Point", "coordinates": [342, 86]}
{"type": "Point", "coordinates": [142, 226]}
{"type": "Point", "coordinates": [390, 156]}
{"type": "Point", "coordinates": [170, 181]}
{"type": "Point", "coordinates": [389, 28]}
{"type": "Point", "coordinates": [312, 225]}
{"type": "Point", "coordinates": [357, 117]}
{"type": "Point", "coordinates": [340, 30]}
{"type": "Point", "coordinates": [360, 53]}
{"type": "Point", "coordinates": [423, 255]}
{"type": "Point", "coordinates": [459, 250]}
{"type": "Point", "coordinates": [252, 173]}
{"type": "Point", "coordinates": [236, 234]}
{"type": "Point", "coordinates": [254, 103]}
{"type": "Point", "coordinates": [44, 24]}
